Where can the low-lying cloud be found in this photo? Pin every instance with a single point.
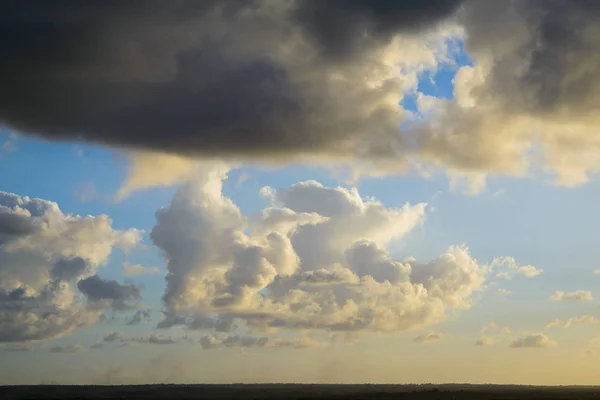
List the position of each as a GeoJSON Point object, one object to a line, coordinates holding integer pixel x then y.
{"type": "Point", "coordinates": [535, 340]}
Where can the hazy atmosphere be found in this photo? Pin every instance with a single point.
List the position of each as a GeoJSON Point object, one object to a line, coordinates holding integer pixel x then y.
{"type": "Point", "coordinates": [311, 191]}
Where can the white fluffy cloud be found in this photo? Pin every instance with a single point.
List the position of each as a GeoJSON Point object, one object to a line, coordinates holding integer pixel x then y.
{"type": "Point", "coordinates": [535, 340]}
{"type": "Point", "coordinates": [510, 267]}
{"type": "Point", "coordinates": [48, 267]}
{"type": "Point", "coordinates": [317, 258]}
{"type": "Point", "coordinates": [579, 295]}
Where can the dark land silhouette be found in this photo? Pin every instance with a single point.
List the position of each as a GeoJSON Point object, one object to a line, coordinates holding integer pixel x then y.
{"type": "Point", "coordinates": [298, 391]}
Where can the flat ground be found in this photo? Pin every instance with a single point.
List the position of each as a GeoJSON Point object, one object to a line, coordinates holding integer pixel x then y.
{"type": "Point", "coordinates": [338, 392]}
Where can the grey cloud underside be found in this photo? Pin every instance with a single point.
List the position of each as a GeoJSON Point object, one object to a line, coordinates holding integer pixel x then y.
{"type": "Point", "coordinates": [139, 316]}
{"type": "Point", "coordinates": [342, 28]}
{"type": "Point", "coordinates": [200, 78]}
{"type": "Point", "coordinates": [554, 62]}
{"type": "Point", "coordinates": [98, 290]}
{"type": "Point", "coordinates": [45, 256]}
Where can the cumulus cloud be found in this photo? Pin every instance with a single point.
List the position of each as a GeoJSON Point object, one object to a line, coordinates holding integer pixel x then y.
{"type": "Point", "coordinates": [68, 349]}
{"type": "Point", "coordinates": [510, 267]}
{"type": "Point", "coordinates": [579, 295]}
{"type": "Point", "coordinates": [47, 257]}
{"type": "Point", "coordinates": [503, 291]}
{"type": "Point", "coordinates": [428, 338]}
{"type": "Point", "coordinates": [535, 340]}
{"type": "Point", "coordinates": [138, 269]}
{"type": "Point", "coordinates": [316, 258]}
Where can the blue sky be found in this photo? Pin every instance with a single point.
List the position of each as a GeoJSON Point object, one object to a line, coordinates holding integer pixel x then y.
{"type": "Point", "coordinates": [538, 223]}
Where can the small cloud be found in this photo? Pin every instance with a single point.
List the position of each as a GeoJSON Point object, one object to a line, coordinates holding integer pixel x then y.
{"type": "Point", "coordinates": [579, 295]}
{"type": "Point", "coordinates": [485, 341]}
{"type": "Point", "coordinates": [503, 274]}
{"type": "Point", "coordinates": [593, 347]}
{"type": "Point", "coordinates": [155, 339]}
{"type": "Point", "coordinates": [303, 343]}
{"type": "Point", "coordinates": [209, 342]}
{"type": "Point", "coordinates": [535, 340]}
{"type": "Point", "coordinates": [499, 193]}
{"type": "Point", "coordinates": [596, 271]}
{"type": "Point", "coordinates": [138, 269]}
{"type": "Point", "coordinates": [503, 291]}
{"type": "Point", "coordinates": [139, 317]}
{"type": "Point", "coordinates": [111, 337]}
{"type": "Point", "coordinates": [487, 327]}
{"type": "Point", "coordinates": [241, 179]}
{"type": "Point", "coordinates": [15, 347]}
{"type": "Point", "coordinates": [510, 266]}
{"type": "Point", "coordinates": [505, 330]}
{"type": "Point", "coordinates": [583, 319]}
{"type": "Point", "coordinates": [97, 345]}
{"type": "Point", "coordinates": [8, 145]}
{"type": "Point", "coordinates": [68, 349]}
{"type": "Point", "coordinates": [86, 193]}
{"type": "Point", "coordinates": [529, 271]}
{"type": "Point", "coordinates": [80, 151]}
{"type": "Point", "coordinates": [428, 338]}
{"type": "Point", "coordinates": [553, 323]}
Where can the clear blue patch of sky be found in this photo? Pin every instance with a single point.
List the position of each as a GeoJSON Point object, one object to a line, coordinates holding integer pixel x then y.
{"type": "Point", "coordinates": [439, 83]}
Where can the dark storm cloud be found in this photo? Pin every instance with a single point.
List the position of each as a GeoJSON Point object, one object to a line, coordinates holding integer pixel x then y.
{"type": "Point", "coordinates": [554, 60]}
{"type": "Point", "coordinates": [565, 59]}
{"type": "Point", "coordinates": [343, 27]}
{"type": "Point", "coordinates": [191, 77]}
{"type": "Point", "coordinates": [69, 269]}
{"type": "Point", "coordinates": [99, 291]}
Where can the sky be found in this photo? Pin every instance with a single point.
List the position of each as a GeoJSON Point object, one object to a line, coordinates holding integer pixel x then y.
{"type": "Point", "coordinates": [301, 191]}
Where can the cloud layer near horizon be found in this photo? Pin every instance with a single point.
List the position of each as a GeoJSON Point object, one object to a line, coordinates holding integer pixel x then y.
{"type": "Point", "coordinates": [314, 263]}
{"type": "Point", "coordinates": [178, 79]}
